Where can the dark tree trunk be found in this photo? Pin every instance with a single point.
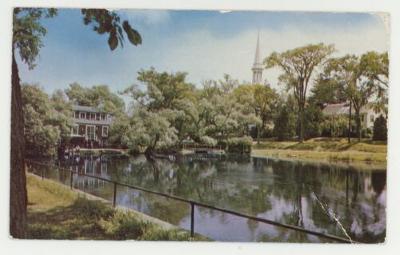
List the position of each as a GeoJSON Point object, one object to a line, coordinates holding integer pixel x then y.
{"type": "Point", "coordinates": [301, 123]}
{"type": "Point", "coordinates": [358, 125]}
{"type": "Point", "coordinates": [18, 194]}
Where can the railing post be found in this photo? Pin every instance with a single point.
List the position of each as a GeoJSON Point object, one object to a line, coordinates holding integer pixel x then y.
{"type": "Point", "coordinates": [115, 194]}
{"type": "Point", "coordinates": [192, 220]}
{"type": "Point", "coordinates": [71, 179]}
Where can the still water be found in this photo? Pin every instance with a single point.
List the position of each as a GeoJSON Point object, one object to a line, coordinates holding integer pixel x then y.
{"type": "Point", "coordinates": [338, 200]}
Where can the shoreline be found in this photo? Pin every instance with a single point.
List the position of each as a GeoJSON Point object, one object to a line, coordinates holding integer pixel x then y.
{"type": "Point", "coordinates": [294, 155]}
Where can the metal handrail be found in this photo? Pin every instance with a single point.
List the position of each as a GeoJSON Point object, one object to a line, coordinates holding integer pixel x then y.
{"type": "Point", "coordinates": [196, 203]}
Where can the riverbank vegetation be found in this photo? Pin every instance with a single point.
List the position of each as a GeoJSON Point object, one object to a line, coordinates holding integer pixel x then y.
{"type": "Point", "coordinates": [325, 149]}
{"type": "Point", "coordinates": [55, 212]}
{"type": "Point", "coordinates": [167, 113]}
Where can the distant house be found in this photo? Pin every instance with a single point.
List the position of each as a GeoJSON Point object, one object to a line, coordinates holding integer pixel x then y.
{"type": "Point", "coordinates": [90, 126]}
{"type": "Point", "coordinates": [368, 115]}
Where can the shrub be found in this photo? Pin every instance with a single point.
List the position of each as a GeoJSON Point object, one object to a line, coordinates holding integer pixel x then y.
{"type": "Point", "coordinates": [380, 129]}
{"type": "Point", "coordinates": [336, 126]}
{"type": "Point", "coordinates": [91, 209]}
{"type": "Point", "coordinates": [285, 124]}
{"type": "Point", "coordinates": [124, 226]}
{"type": "Point", "coordinates": [239, 144]}
{"type": "Point", "coordinates": [312, 121]}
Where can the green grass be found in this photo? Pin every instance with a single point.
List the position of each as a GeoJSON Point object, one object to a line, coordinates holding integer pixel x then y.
{"type": "Point", "coordinates": [326, 149]}
{"type": "Point", "coordinates": [56, 212]}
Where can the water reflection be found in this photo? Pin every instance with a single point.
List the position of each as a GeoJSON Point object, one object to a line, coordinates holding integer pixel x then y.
{"type": "Point", "coordinates": [326, 198]}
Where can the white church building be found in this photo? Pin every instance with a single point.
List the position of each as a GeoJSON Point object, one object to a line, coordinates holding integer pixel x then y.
{"type": "Point", "coordinates": [257, 65]}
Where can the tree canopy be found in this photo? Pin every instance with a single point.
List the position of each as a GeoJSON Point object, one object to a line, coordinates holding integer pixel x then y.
{"type": "Point", "coordinates": [298, 66]}
{"type": "Point", "coordinates": [98, 96]}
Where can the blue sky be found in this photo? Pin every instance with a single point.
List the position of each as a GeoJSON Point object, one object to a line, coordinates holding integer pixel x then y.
{"type": "Point", "coordinates": [205, 44]}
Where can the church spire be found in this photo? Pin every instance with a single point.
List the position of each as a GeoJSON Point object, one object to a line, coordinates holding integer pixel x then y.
{"type": "Point", "coordinates": [257, 66]}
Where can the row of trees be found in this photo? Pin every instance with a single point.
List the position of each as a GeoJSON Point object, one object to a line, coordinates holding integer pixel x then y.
{"type": "Point", "coordinates": [356, 79]}
{"type": "Point", "coordinates": [166, 111]}
{"type": "Point", "coordinates": [169, 112]}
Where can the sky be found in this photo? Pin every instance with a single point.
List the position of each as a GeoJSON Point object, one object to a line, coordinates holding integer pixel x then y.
{"type": "Point", "coordinates": [205, 44]}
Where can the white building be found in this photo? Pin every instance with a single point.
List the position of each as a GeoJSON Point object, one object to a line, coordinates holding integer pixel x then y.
{"type": "Point", "coordinates": [368, 114]}
{"type": "Point", "coordinates": [257, 65]}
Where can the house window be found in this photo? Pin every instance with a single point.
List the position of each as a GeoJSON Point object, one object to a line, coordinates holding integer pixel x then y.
{"type": "Point", "coordinates": [75, 130]}
{"type": "Point", "coordinates": [82, 115]}
{"type": "Point", "coordinates": [91, 132]}
{"type": "Point", "coordinates": [104, 131]}
{"type": "Point", "coordinates": [103, 116]}
{"type": "Point", "coordinates": [92, 116]}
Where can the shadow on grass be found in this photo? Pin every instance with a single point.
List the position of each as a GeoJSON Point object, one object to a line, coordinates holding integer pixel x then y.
{"type": "Point", "coordinates": [96, 220]}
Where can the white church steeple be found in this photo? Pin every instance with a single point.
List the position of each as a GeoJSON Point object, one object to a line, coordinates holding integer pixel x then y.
{"type": "Point", "coordinates": [257, 66]}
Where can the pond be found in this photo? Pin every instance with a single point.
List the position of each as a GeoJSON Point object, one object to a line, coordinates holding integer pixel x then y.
{"type": "Point", "coordinates": [338, 200]}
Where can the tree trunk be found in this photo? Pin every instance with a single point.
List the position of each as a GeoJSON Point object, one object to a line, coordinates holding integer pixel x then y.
{"type": "Point", "coordinates": [358, 125]}
{"type": "Point", "coordinates": [301, 123]}
{"type": "Point", "coordinates": [18, 194]}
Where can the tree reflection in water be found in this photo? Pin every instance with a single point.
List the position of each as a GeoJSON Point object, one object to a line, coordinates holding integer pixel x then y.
{"type": "Point", "coordinates": [284, 191]}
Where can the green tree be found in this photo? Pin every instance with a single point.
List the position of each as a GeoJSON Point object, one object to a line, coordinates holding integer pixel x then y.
{"type": "Point", "coordinates": [285, 120]}
{"type": "Point", "coordinates": [352, 74]}
{"type": "Point", "coordinates": [380, 129]}
{"type": "Point", "coordinates": [298, 66]}
{"type": "Point", "coordinates": [327, 91]}
{"type": "Point", "coordinates": [40, 135]}
{"type": "Point", "coordinates": [98, 96]}
{"type": "Point", "coordinates": [164, 110]}
{"type": "Point", "coordinates": [26, 42]}
{"type": "Point", "coordinates": [313, 119]}
{"type": "Point", "coordinates": [375, 66]}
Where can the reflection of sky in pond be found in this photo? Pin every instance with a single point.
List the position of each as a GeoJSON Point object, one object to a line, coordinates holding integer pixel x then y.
{"type": "Point", "coordinates": [313, 196]}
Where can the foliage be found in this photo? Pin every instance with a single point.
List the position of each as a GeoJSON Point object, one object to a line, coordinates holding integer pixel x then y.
{"type": "Point", "coordinates": [28, 32]}
{"type": "Point", "coordinates": [313, 118]}
{"type": "Point", "coordinates": [109, 22]}
{"type": "Point", "coordinates": [298, 66]}
{"type": "Point", "coordinates": [335, 126]}
{"type": "Point", "coordinates": [170, 110]}
{"type": "Point", "coordinates": [285, 123]}
{"type": "Point", "coordinates": [27, 40]}
{"type": "Point", "coordinates": [327, 91]}
{"type": "Point", "coordinates": [380, 129]}
{"type": "Point", "coordinates": [259, 100]}
{"type": "Point", "coordinates": [98, 96]}
{"type": "Point", "coordinates": [46, 120]}
{"type": "Point", "coordinates": [150, 131]}
{"type": "Point", "coordinates": [360, 83]}
{"type": "Point", "coordinates": [239, 144]}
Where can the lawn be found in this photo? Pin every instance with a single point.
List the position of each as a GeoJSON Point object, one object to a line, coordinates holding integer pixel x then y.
{"type": "Point", "coordinates": [56, 212]}
{"type": "Point", "coordinates": [326, 149]}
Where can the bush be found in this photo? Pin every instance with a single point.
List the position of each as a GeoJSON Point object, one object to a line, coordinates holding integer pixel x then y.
{"type": "Point", "coordinates": [285, 124]}
{"type": "Point", "coordinates": [336, 126]}
{"type": "Point", "coordinates": [239, 144]}
{"type": "Point", "coordinates": [312, 121]}
{"type": "Point", "coordinates": [380, 129]}
{"type": "Point", "coordinates": [91, 209]}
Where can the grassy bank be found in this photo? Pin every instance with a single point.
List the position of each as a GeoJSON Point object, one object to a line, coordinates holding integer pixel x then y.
{"type": "Point", "coordinates": [332, 150]}
{"type": "Point", "coordinates": [56, 212]}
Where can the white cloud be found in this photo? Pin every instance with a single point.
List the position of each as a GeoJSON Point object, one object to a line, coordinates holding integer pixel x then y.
{"type": "Point", "coordinates": [149, 17]}
{"type": "Point", "coordinates": [205, 57]}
